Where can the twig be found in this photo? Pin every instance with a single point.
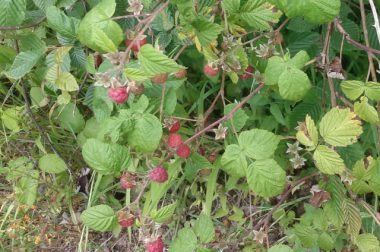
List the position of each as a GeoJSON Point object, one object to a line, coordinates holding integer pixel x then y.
{"type": "Point", "coordinates": [375, 18]}
{"type": "Point", "coordinates": [42, 132]}
{"type": "Point", "coordinates": [365, 32]}
{"type": "Point", "coordinates": [147, 22]}
{"type": "Point", "coordinates": [326, 63]}
{"type": "Point", "coordinates": [284, 197]}
{"type": "Point", "coordinates": [377, 27]}
{"type": "Point", "coordinates": [226, 117]}
{"type": "Point", "coordinates": [347, 36]}
{"type": "Point", "coordinates": [212, 106]}
{"type": "Point", "coordinates": [19, 27]}
{"type": "Point", "coordinates": [162, 101]}
{"type": "Point", "coordinates": [267, 33]}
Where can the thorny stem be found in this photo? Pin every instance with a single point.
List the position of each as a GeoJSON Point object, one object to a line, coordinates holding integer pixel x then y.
{"type": "Point", "coordinates": [326, 63]}
{"type": "Point", "coordinates": [19, 27]}
{"type": "Point", "coordinates": [284, 197]}
{"type": "Point", "coordinates": [42, 132]}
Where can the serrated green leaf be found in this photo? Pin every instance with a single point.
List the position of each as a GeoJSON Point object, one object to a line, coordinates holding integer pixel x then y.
{"type": "Point", "coordinates": [352, 89]}
{"type": "Point", "coordinates": [352, 218]}
{"type": "Point", "coordinates": [58, 21]}
{"type": "Point", "coordinates": [99, 102]}
{"type": "Point", "coordinates": [338, 127]}
{"type": "Point", "coordinates": [266, 178]}
{"type": "Point", "coordinates": [365, 111]}
{"type": "Point", "coordinates": [231, 6]}
{"type": "Point", "coordinates": [67, 82]}
{"type": "Point", "coordinates": [22, 64]}
{"type": "Point", "coordinates": [280, 248]}
{"type": "Point", "coordinates": [321, 11]}
{"type": "Point", "coordinates": [326, 242]}
{"type": "Point", "coordinates": [70, 118]}
{"type": "Point", "coordinates": [99, 218]}
{"type": "Point", "coordinates": [299, 60]}
{"type": "Point", "coordinates": [98, 31]}
{"type": "Point", "coordinates": [238, 120]}
{"type": "Point", "coordinates": [306, 234]}
{"type": "Point", "coordinates": [12, 12]}
{"type": "Point", "coordinates": [204, 228]}
{"type": "Point", "coordinates": [372, 90]}
{"type": "Point", "coordinates": [259, 17]}
{"type": "Point", "coordinates": [308, 133]}
{"type": "Point", "coordinates": [367, 242]}
{"type": "Point", "coordinates": [327, 160]}
{"type": "Point", "coordinates": [234, 161]}
{"type": "Point", "coordinates": [155, 62]}
{"type": "Point", "coordinates": [274, 69]}
{"type": "Point", "coordinates": [146, 134]}
{"type": "Point", "coordinates": [52, 163]}
{"type": "Point", "coordinates": [163, 214]}
{"type": "Point", "coordinates": [26, 188]}
{"type": "Point", "coordinates": [205, 31]}
{"type": "Point", "coordinates": [105, 158]}
{"type": "Point", "coordinates": [258, 143]}
{"type": "Point", "coordinates": [293, 84]}
{"type": "Point", "coordinates": [186, 241]}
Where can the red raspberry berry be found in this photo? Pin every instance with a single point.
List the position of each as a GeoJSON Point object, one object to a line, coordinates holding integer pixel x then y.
{"type": "Point", "coordinates": [158, 174]}
{"type": "Point", "coordinates": [126, 220]}
{"type": "Point", "coordinates": [174, 140]}
{"type": "Point", "coordinates": [210, 71]}
{"type": "Point", "coordinates": [118, 95]}
{"type": "Point", "coordinates": [155, 246]}
{"type": "Point", "coordinates": [137, 44]}
{"type": "Point", "coordinates": [247, 73]}
{"type": "Point", "coordinates": [175, 126]}
{"type": "Point", "coordinates": [183, 151]}
{"type": "Point", "coordinates": [127, 181]}
{"type": "Point", "coordinates": [181, 74]}
{"type": "Point", "coordinates": [159, 78]}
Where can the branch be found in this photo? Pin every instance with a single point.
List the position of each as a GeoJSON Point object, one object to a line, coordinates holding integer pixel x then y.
{"type": "Point", "coordinates": [284, 197]}
{"type": "Point", "coordinates": [147, 22]}
{"type": "Point", "coordinates": [42, 132]}
{"type": "Point", "coordinates": [326, 63]}
{"type": "Point", "coordinates": [366, 39]}
{"type": "Point", "coordinates": [347, 36]}
{"type": "Point", "coordinates": [226, 117]}
{"type": "Point", "coordinates": [19, 27]}
{"type": "Point", "coordinates": [376, 19]}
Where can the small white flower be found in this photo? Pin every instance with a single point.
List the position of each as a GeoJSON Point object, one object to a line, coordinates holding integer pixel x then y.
{"type": "Point", "coordinates": [297, 162]}
{"type": "Point", "coordinates": [293, 148]}
{"type": "Point", "coordinates": [220, 132]}
{"type": "Point", "coordinates": [135, 6]}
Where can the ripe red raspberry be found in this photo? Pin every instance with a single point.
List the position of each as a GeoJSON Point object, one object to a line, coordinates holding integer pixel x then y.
{"type": "Point", "coordinates": [183, 151]}
{"type": "Point", "coordinates": [159, 78]}
{"type": "Point", "coordinates": [175, 126]}
{"type": "Point", "coordinates": [247, 73]}
{"type": "Point", "coordinates": [119, 94]}
{"type": "Point", "coordinates": [155, 246]}
{"type": "Point", "coordinates": [180, 74]}
{"type": "Point", "coordinates": [127, 181]}
{"type": "Point", "coordinates": [126, 220]}
{"type": "Point", "coordinates": [158, 174]}
{"type": "Point", "coordinates": [210, 71]}
{"type": "Point", "coordinates": [174, 140]}
{"type": "Point", "coordinates": [137, 44]}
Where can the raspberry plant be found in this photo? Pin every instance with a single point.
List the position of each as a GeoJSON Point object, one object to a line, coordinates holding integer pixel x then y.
{"type": "Point", "coordinates": [201, 125]}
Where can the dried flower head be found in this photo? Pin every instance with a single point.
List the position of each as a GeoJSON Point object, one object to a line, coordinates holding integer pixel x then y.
{"type": "Point", "coordinates": [135, 6]}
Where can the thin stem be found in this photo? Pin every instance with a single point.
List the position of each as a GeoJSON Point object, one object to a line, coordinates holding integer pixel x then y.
{"type": "Point", "coordinates": [19, 27]}
{"type": "Point", "coordinates": [326, 63]}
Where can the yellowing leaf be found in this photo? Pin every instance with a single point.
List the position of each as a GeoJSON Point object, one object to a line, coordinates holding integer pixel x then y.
{"type": "Point", "coordinates": [327, 160]}
{"type": "Point", "coordinates": [352, 88]}
{"type": "Point", "coordinates": [339, 128]}
{"type": "Point", "coordinates": [307, 133]}
{"type": "Point", "coordinates": [365, 111]}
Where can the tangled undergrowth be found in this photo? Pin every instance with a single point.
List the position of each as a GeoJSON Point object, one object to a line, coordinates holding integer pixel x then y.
{"type": "Point", "coordinates": [202, 125]}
